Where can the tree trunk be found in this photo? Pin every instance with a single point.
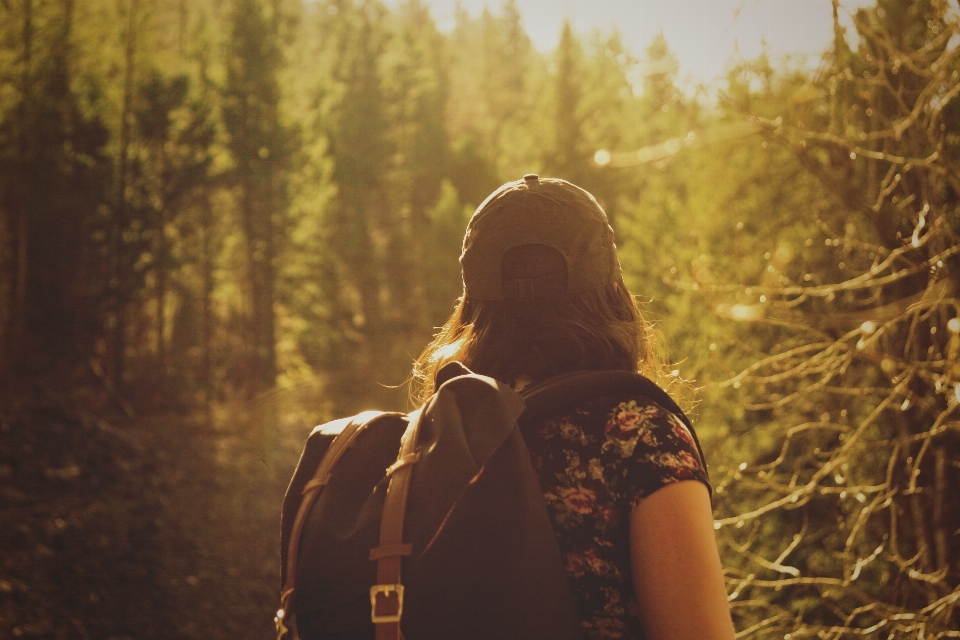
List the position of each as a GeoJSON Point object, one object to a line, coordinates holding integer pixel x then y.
{"type": "Point", "coordinates": [120, 219]}
{"type": "Point", "coordinates": [163, 274]}
{"type": "Point", "coordinates": [21, 228]}
{"type": "Point", "coordinates": [206, 325]}
{"type": "Point", "coordinates": [259, 232]}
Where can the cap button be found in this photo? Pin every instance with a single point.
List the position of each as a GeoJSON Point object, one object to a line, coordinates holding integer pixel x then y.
{"type": "Point", "coordinates": [531, 179]}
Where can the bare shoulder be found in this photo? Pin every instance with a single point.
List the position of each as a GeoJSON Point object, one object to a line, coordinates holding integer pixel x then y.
{"type": "Point", "coordinates": [674, 561]}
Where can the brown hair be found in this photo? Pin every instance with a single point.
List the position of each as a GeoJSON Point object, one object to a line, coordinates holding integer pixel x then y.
{"type": "Point", "coordinates": [506, 339]}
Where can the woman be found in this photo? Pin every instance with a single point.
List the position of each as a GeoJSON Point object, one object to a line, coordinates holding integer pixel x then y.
{"type": "Point", "coordinates": [624, 484]}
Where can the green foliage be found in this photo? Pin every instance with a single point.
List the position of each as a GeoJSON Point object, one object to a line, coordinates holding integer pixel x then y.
{"type": "Point", "coordinates": [52, 186]}
{"type": "Point", "coordinates": [260, 148]}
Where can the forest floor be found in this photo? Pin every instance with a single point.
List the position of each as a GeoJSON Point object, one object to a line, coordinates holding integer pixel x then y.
{"type": "Point", "coordinates": [116, 528]}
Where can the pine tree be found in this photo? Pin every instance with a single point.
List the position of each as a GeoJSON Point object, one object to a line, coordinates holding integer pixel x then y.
{"type": "Point", "coordinates": [418, 89]}
{"type": "Point", "coordinates": [52, 183]}
{"type": "Point", "coordinates": [360, 224]}
{"type": "Point", "coordinates": [568, 156]}
{"type": "Point", "coordinates": [168, 173]}
{"type": "Point", "coordinates": [260, 147]}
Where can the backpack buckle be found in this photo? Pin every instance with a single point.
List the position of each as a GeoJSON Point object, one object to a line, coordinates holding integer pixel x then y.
{"type": "Point", "coordinates": [385, 590]}
{"type": "Point", "coordinates": [280, 623]}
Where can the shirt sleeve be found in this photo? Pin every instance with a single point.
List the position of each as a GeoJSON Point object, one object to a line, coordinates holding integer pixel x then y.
{"type": "Point", "coordinates": [647, 447]}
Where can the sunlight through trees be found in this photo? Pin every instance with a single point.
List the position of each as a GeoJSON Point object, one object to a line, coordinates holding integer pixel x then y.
{"type": "Point", "coordinates": [224, 221]}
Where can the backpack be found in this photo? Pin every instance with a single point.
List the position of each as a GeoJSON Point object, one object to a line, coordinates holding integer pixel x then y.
{"type": "Point", "coordinates": [445, 496]}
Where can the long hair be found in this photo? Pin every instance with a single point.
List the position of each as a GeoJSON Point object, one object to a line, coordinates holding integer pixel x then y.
{"type": "Point", "coordinates": [508, 340]}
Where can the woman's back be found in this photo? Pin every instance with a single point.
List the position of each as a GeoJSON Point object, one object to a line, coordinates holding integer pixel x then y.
{"type": "Point", "coordinates": [543, 296]}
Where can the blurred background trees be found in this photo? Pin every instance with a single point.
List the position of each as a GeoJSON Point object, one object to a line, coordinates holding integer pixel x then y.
{"type": "Point", "coordinates": [224, 221]}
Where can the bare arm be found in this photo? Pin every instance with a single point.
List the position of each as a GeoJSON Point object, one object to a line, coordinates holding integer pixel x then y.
{"type": "Point", "coordinates": [676, 567]}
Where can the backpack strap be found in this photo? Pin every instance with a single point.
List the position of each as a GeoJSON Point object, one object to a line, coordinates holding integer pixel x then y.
{"type": "Point", "coordinates": [386, 596]}
{"type": "Point", "coordinates": [285, 623]}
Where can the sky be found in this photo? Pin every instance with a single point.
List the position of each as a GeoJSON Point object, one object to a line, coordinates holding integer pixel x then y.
{"type": "Point", "coordinates": [705, 35]}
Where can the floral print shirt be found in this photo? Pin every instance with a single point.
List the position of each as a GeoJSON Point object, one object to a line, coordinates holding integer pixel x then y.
{"type": "Point", "coordinates": [595, 464]}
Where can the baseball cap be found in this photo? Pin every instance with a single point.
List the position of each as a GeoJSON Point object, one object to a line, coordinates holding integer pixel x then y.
{"type": "Point", "coordinates": [541, 219]}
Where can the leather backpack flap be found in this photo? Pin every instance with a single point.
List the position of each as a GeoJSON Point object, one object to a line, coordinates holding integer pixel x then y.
{"type": "Point", "coordinates": [485, 560]}
{"type": "Point", "coordinates": [463, 424]}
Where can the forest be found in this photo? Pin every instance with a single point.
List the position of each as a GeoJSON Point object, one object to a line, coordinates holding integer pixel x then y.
{"type": "Point", "coordinates": [223, 222]}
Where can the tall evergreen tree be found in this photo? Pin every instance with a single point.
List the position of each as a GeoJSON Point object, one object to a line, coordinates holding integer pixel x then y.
{"type": "Point", "coordinates": [495, 80]}
{"type": "Point", "coordinates": [51, 184]}
{"type": "Point", "coordinates": [168, 171]}
{"type": "Point", "coordinates": [418, 88]}
{"type": "Point", "coordinates": [260, 147]}
{"type": "Point", "coordinates": [361, 224]}
{"type": "Point", "coordinates": [568, 155]}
